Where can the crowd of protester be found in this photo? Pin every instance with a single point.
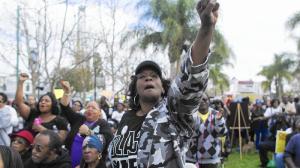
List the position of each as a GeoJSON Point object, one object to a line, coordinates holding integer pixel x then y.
{"type": "Point", "coordinates": [64, 133]}
{"type": "Point", "coordinates": [163, 124]}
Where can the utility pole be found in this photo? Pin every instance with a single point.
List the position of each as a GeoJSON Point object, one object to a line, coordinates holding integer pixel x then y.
{"type": "Point", "coordinates": [18, 42]}
{"type": "Point", "coordinates": [95, 77]}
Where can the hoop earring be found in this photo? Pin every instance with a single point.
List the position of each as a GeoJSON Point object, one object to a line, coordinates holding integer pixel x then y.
{"type": "Point", "coordinates": [134, 100]}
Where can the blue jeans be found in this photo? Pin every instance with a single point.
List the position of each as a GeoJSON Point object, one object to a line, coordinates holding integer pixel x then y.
{"type": "Point", "coordinates": [260, 135]}
{"type": "Point", "coordinates": [279, 160]}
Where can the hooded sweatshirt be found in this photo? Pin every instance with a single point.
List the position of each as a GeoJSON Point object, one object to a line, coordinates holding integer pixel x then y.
{"type": "Point", "coordinates": [62, 161]}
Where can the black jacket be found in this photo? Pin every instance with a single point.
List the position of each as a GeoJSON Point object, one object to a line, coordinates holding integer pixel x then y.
{"type": "Point", "coordinates": [100, 165]}
{"type": "Point", "coordinates": [258, 124]}
{"type": "Point", "coordinates": [26, 156]}
{"type": "Point", "coordinates": [76, 120]}
{"type": "Point", "coordinates": [62, 161]}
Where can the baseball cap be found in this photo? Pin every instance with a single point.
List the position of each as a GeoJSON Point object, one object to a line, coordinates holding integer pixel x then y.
{"type": "Point", "coordinates": [27, 135]}
{"type": "Point", "coordinates": [148, 64]}
{"type": "Point", "coordinates": [258, 102]}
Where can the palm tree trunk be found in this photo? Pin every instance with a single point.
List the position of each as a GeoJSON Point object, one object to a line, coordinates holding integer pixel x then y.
{"type": "Point", "coordinates": [280, 88]}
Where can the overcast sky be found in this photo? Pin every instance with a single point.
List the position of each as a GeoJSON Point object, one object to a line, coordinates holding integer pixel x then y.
{"type": "Point", "coordinates": [255, 30]}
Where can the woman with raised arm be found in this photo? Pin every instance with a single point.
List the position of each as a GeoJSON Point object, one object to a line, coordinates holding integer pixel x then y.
{"type": "Point", "coordinates": [81, 126]}
{"type": "Point", "coordinates": [44, 116]}
{"type": "Point", "coordinates": [156, 131]}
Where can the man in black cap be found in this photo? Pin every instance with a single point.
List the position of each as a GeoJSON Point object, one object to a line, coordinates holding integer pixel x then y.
{"type": "Point", "coordinates": [156, 131]}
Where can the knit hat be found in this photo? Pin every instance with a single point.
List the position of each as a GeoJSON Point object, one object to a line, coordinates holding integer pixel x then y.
{"type": "Point", "coordinates": [93, 141]}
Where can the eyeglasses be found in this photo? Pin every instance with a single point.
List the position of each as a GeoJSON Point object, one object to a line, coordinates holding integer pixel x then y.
{"type": "Point", "coordinates": [38, 148]}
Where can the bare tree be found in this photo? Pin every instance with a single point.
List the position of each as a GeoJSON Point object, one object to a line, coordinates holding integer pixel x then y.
{"type": "Point", "coordinates": [115, 58]}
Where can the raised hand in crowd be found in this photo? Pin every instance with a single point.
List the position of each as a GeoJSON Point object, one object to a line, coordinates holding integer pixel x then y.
{"type": "Point", "coordinates": [24, 109]}
{"type": "Point", "coordinates": [65, 100]}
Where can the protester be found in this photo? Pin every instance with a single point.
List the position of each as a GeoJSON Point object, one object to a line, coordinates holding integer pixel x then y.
{"type": "Point", "coordinates": [160, 121]}
{"type": "Point", "coordinates": [8, 119]}
{"type": "Point", "coordinates": [9, 158]}
{"type": "Point", "coordinates": [269, 144]}
{"type": "Point", "coordinates": [218, 105]}
{"type": "Point", "coordinates": [118, 114]}
{"type": "Point", "coordinates": [206, 147]}
{"type": "Point", "coordinates": [89, 124]}
{"type": "Point", "coordinates": [113, 124]}
{"type": "Point", "coordinates": [260, 127]}
{"type": "Point", "coordinates": [77, 106]}
{"type": "Point", "coordinates": [279, 157]}
{"type": "Point", "coordinates": [297, 106]}
{"type": "Point", "coordinates": [47, 152]}
{"type": "Point", "coordinates": [92, 148]}
{"type": "Point", "coordinates": [45, 116]}
{"type": "Point", "coordinates": [272, 111]}
{"type": "Point", "coordinates": [31, 100]}
{"type": "Point", "coordinates": [287, 106]}
{"type": "Point", "coordinates": [104, 106]}
{"type": "Point", "coordinates": [21, 142]}
{"type": "Point", "coordinates": [291, 156]}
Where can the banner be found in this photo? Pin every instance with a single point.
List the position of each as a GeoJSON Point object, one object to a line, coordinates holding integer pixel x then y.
{"type": "Point", "coordinates": [280, 141]}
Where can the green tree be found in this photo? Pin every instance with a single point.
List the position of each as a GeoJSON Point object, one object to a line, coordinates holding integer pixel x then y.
{"type": "Point", "coordinates": [220, 80]}
{"type": "Point", "coordinates": [281, 69]}
{"type": "Point", "coordinates": [268, 74]}
{"type": "Point", "coordinates": [174, 27]}
{"type": "Point", "coordinates": [80, 78]}
{"type": "Point", "coordinates": [219, 58]}
{"type": "Point", "coordinates": [292, 23]}
{"type": "Point", "coordinates": [175, 30]}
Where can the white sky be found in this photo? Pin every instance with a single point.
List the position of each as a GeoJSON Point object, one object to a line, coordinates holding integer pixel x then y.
{"type": "Point", "coordinates": [255, 30]}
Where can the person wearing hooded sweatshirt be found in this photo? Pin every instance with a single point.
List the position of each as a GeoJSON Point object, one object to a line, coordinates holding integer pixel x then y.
{"type": "Point", "coordinates": [47, 152]}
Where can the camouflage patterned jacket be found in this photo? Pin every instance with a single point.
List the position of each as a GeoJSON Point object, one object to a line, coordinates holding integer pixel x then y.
{"type": "Point", "coordinates": [168, 127]}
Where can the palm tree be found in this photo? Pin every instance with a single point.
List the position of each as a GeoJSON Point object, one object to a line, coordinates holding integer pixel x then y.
{"type": "Point", "coordinates": [175, 30]}
{"type": "Point", "coordinates": [292, 23]}
{"type": "Point", "coordinates": [267, 72]}
{"type": "Point", "coordinates": [220, 80]}
{"type": "Point", "coordinates": [281, 69]}
{"type": "Point", "coordinates": [219, 58]}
